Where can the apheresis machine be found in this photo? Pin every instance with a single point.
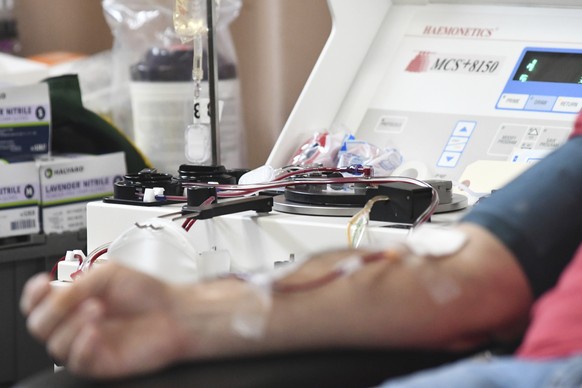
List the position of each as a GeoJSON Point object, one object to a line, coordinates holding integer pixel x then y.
{"type": "Point", "coordinates": [459, 96]}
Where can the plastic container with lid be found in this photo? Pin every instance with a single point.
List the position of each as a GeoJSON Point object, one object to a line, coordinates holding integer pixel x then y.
{"type": "Point", "coordinates": [162, 99]}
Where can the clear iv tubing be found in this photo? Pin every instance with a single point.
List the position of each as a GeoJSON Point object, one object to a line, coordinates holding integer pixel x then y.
{"type": "Point", "coordinates": [197, 70]}
{"type": "Point", "coordinates": [190, 24]}
{"type": "Point", "coordinates": [94, 255]}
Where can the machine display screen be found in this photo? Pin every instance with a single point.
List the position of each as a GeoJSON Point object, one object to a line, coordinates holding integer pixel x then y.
{"type": "Point", "coordinates": [544, 66]}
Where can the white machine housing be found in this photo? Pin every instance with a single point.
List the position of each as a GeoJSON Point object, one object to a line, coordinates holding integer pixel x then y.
{"type": "Point", "coordinates": [435, 80]}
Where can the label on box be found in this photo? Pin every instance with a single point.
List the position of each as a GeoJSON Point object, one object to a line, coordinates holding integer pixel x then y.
{"type": "Point", "coordinates": [25, 118]}
{"type": "Point", "coordinates": [67, 184]}
{"type": "Point", "coordinates": [19, 199]}
{"type": "Point", "coordinates": [64, 218]}
{"type": "Point", "coordinates": [19, 221]}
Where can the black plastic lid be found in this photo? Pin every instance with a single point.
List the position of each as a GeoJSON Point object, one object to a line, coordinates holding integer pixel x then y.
{"type": "Point", "coordinates": [165, 65]}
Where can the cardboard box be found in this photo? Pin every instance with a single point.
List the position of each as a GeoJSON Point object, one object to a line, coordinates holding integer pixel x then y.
{"type": "Point", "coordinates": [19, 199]}
{"type": "Point", "coordinates": [68, 183]}
{"type": "Point", "coordinates": [25, 121]}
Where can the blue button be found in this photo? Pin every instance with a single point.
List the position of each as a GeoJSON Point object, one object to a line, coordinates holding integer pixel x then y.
{"type": "Point", "coordinates": [541, 103]}
{"type": "Point", "coordinates": [464, 128]}
{"type": "Point", "coordinates": [449, 159]}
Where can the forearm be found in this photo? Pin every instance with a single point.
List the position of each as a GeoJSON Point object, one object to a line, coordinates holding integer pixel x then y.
{"type": "Point", "coordinates": [387, 303]}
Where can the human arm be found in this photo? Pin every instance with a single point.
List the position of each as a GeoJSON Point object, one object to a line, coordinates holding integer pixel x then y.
{"type": "Point", "coordinates": [136, 324]}
{"type": "Point", "coordinates": [519, 240]}
{"type": "Point", "coordinates": [537, 215]}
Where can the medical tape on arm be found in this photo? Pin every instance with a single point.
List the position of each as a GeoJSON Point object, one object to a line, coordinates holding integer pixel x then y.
{"type": "Point", "coordinates": [429, 244]}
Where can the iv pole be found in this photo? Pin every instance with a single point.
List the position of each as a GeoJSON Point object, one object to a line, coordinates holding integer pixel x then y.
{"type": "Point", "coordinates": [213, 83]}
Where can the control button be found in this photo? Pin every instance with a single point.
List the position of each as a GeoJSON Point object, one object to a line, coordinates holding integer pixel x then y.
{"type": "Point", "coordinates": [512, 101]}
{"type": "Point", "coordinates": [533, 131]}
{"type": "Point", "coordinates": [532, 135]}
{"type": "Point", "coordinates": [464, 128]}
{"type": "Point", "coordinates": [507, 138]}
{"type": "Point", "coordinates": [552, 137]}
{"type": "Point", "coordinates": [541, 103]}
{"type": "Point", "coordinates": [392, 124]}
{"type": "Point", "coordinates": [456, 144]}
{"type": "Point", "coordinates": [568, 105]}
{"type": "Point", "coordinates": [449, 159]}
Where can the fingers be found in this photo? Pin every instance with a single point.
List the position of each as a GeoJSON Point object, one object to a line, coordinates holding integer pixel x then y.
{"type": "Point", "coordinates": [57, 304]}
{"type": "Point", "coordinates": [132, 345]}
{"type": "Point", "coordinates": [62, 339]}
{"type": "Point", "coordinates": [82, 351]}
{"type": "Point", "coordinates": [86, 323]}
{"type": "Point", "coordinates": [35, 289]}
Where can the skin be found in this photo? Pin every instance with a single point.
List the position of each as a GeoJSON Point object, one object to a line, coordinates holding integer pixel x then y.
{"type": "Point", "coordinates": [116, 322]}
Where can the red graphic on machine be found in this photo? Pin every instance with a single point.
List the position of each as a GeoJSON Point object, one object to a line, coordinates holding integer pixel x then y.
{"type": "Point", "coordinates": [419, 63]}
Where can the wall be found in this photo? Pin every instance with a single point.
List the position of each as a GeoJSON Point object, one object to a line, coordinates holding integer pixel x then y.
{"type": "Point", "coordinates": [277, 41]}
{"type": "Point", "coordinates": [62, 25]}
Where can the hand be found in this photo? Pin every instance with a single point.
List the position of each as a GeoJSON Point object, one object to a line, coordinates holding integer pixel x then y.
{"type": "Point", "coordinates": [111, 322]}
